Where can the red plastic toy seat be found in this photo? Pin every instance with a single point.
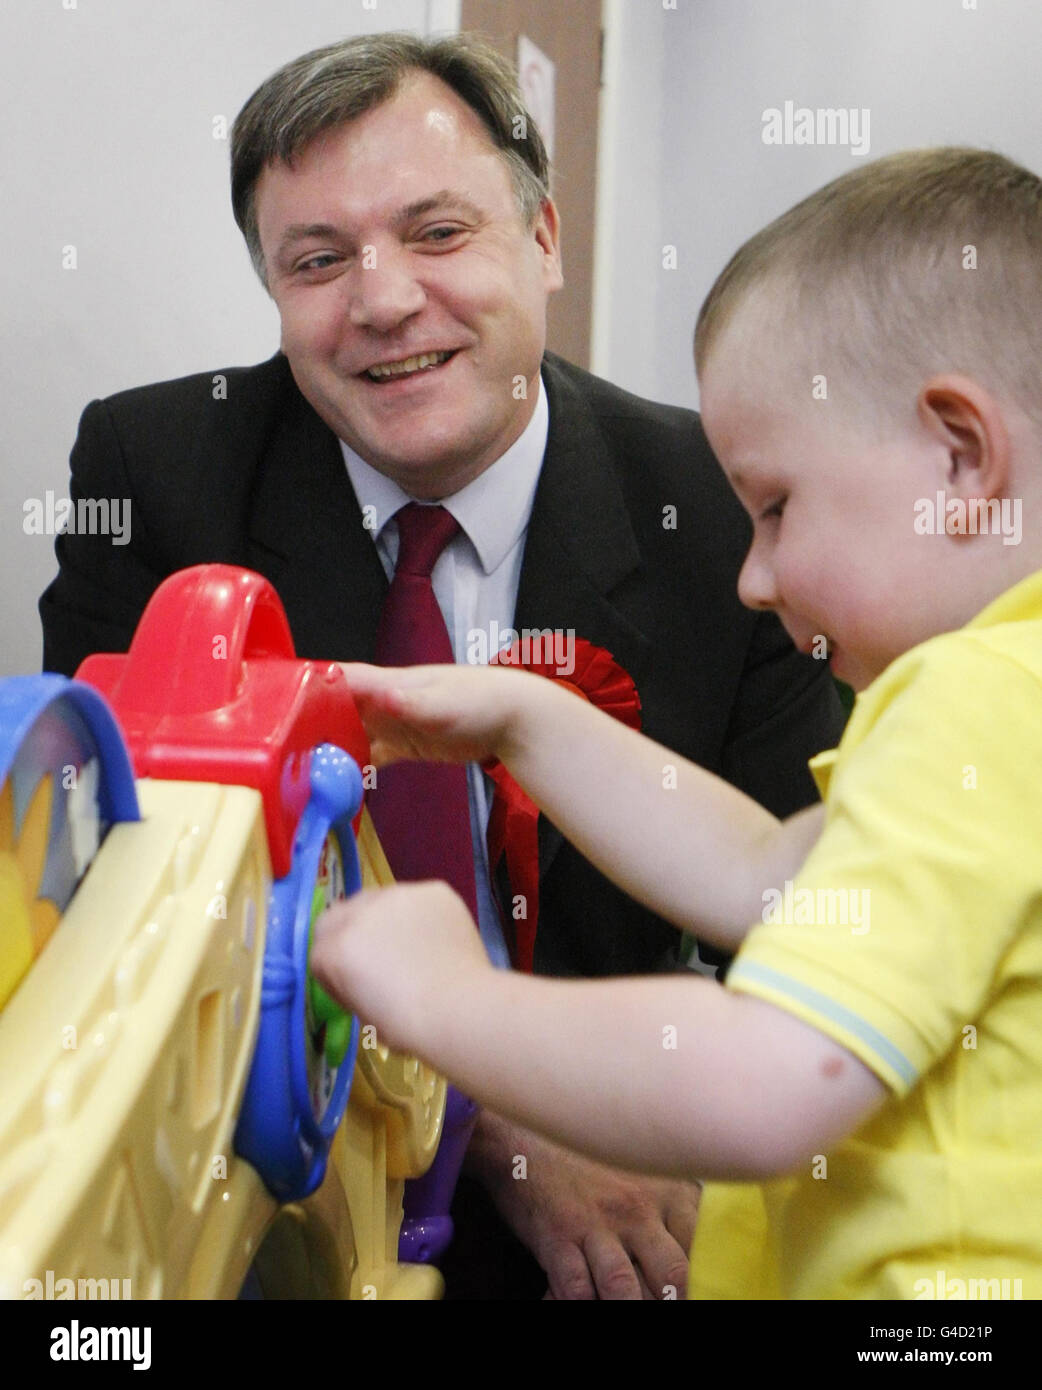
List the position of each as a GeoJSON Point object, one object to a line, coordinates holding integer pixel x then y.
{"type": "Point", "coordinates": [212, 691]}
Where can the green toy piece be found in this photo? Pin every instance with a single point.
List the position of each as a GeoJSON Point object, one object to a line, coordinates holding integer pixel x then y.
{"type": "Point", "coordinates": [321, 1009]}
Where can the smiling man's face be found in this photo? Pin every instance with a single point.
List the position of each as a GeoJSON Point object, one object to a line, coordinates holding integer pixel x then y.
{"type": "Point", "coordinates": [412, 296]}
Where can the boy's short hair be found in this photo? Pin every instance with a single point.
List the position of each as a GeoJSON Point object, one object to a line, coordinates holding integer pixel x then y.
{"type": "Point", "coordinates": [332, 86]}
{"type": "Point", "coordinates": [920, 262]}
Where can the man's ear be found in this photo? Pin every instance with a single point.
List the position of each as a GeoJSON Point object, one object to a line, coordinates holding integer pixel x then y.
{"type": "Point", "coordinates": [547, 232]}
{"type": "Point", "coordinates": [968, 421]}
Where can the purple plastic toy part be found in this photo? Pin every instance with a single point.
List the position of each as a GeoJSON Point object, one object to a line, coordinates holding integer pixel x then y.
{"type": "Point", "coordinates": [427, 1228]}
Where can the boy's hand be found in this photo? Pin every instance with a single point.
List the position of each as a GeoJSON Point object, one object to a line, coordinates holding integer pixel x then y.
{"type": "Point", "coordinates": [452, 714]}
{"type": "Point", "coordinates": [397, 956]}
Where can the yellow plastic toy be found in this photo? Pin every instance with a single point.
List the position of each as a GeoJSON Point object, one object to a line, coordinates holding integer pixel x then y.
{"type": "Point", "coordinates": [132, 975]}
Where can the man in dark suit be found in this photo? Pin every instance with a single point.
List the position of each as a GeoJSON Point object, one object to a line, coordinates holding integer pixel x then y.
{"type": "Point", "coordinates": [399, 216]}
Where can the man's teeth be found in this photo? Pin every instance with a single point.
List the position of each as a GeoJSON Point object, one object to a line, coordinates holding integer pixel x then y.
{"type": "Point", "coordinates": [410, 364]}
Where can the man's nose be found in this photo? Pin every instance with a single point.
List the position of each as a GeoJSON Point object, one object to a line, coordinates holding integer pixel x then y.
{"type": "Point", "coordinates": [756, 586]}
{"type": "Point", "coordinates": [384, 290]}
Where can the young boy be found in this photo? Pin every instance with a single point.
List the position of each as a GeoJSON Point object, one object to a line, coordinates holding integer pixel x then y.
{"type": "Point", "coordinates": [867, 1088]}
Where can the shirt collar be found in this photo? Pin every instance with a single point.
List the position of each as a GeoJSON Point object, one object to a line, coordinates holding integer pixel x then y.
{"type": "Point", "coordinates": [493, 509]}
{"type": "Point", "coordinates": [1022, 601]}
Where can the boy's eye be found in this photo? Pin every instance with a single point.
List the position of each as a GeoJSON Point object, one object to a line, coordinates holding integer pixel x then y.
{"type": "Point", "coordinates": [774, 510]}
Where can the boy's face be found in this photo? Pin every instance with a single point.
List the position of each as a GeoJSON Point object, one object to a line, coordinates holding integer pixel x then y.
{"type": "Point", "coordinates": [834, 552]}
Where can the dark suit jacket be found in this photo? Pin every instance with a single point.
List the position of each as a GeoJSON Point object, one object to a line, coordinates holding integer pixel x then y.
{"type": "Point", "coordinates": [237, 467]}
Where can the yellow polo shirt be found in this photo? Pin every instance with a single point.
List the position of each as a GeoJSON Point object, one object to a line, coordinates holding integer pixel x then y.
{"type": "Point", "coordinates": [913, 936]}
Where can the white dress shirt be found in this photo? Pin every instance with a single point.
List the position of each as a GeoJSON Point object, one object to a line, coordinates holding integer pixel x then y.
{"type": "Point", "coordinates": [475, 581]}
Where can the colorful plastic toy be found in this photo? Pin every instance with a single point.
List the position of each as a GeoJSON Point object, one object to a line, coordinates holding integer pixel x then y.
{"type": "Point", "coordinates": [64, 779]}
{"type": "Point", "coordinates": [298, 1086]}
{"type": "Point", "coordinates": [173, 1080]}
{"type": "Point", "coordinates": [212, 691]}
{"type": "Point", "coordinates": [221, 697]}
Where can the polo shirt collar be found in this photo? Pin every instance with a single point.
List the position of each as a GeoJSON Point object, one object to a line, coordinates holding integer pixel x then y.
{"type": "Point", "coordinates": [1022, 602]}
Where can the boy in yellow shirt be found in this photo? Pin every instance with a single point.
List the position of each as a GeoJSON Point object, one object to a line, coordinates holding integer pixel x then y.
{"type": "Point", "coordinates": [866, 1090]}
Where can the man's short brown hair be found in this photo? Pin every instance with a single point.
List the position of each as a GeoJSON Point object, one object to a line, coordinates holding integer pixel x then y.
{"type": "Point", "coordinates": [331, 86]}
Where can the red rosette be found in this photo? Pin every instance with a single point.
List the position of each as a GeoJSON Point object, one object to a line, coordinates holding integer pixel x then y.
{"type": "Point", "coordinates": [513, 823]}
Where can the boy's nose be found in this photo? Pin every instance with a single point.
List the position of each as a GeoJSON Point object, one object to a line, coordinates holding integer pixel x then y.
{"type": "Point", "coordinates": [756, 587]}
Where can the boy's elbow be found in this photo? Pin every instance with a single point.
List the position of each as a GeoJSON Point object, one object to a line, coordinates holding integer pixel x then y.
{"type": "Point", "coordinates": [840, 1096]}
{"type": "Point", "coordinates": [799, 1094]}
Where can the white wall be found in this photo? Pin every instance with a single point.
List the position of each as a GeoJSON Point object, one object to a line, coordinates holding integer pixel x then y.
{"type": "Point", "coordinates": [684, 162]}
{"type": "Point", "coordinates": [107, 145]}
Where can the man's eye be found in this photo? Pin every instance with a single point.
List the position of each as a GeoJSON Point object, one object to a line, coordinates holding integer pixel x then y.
{"type": "Point", "coordinates": [774, 510]}
{"type": "Point", "coordinates": [321, 262]}
{"type": "Point", "coordinates": [439, 234]}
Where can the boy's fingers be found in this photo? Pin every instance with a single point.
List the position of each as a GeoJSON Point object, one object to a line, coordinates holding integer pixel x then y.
{"type": "Point", "coordinates": [336, 925]}
{"type": "Point", "coordinates": [330, 926]}
{"type": "Point", "coordinates": [374, 681]}
{"type": "Point", "coordinates": [364, 678]}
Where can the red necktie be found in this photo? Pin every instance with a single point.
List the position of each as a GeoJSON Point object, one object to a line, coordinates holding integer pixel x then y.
{"type": "Point", "coordinates": [421, 810]}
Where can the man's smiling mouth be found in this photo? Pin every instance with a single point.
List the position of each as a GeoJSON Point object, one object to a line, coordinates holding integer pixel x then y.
{"type": "Point", "coordinates": [408, 366]}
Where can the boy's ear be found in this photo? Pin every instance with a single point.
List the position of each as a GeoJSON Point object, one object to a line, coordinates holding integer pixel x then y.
{"type": "Point", "coordinates": [968, 421]}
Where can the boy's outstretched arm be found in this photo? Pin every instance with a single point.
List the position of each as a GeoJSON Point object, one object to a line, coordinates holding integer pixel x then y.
{"type": "Point", "coordinates": [740, 1090]}
{"type": "Point", "coordinates": [685, 843]}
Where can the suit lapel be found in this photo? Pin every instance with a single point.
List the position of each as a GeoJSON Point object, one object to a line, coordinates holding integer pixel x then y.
{"type": "Point", "coordinates": [580, 546]}
{"type": "Point", "coordinates": [580, 549]}
{"type": "Point", "coordinates": [306, 534]}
